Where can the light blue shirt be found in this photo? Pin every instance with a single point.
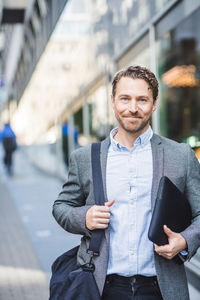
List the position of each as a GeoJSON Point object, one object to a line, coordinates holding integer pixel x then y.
{"type": "Point", "coordinates": [129, 180]}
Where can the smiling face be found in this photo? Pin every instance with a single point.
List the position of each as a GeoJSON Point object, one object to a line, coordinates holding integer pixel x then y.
{"type": "Point", "coordinates": [133, 105]}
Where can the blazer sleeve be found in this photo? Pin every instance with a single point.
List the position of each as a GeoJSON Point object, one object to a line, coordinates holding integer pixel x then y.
{"type": "Point", "coordinates": [192, 233]}
{"type": "Point", "coordinates": [69, 209]}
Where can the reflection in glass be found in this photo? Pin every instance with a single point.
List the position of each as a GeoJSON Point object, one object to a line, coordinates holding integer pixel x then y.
{"type": "Point", "coordinates": [179, 74]}
{"type": "Point", "coordinates": [98, 114]}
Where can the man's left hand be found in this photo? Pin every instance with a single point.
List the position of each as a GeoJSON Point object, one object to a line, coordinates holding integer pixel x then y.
{"type": "Point", "coordinates": [176, 244]}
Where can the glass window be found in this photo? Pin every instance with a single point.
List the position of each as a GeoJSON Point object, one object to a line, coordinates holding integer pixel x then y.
{"type": "Point", "coordinates": [142, 11]}
{"type": "Point", "coordinates": [139, 54]}
{"type": "Point", "coordinates": [98, 114]}
{"type": "Point", "coordinates": [179, 75]}
{"type": "Point", "coordinates": [78, 120]}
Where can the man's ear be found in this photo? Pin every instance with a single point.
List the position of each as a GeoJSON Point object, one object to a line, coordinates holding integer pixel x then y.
{"type": "Point", "coordinates": [154, 105]}
{"type": "Point", "coordinates": [112, 99]}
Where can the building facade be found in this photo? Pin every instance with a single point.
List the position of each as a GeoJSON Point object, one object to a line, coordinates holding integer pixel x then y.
{"type": "Point", "coordinates": [163, 36]}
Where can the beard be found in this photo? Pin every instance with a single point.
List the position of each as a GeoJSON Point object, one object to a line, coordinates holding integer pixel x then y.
{"type": "Point", "coordinates": [133, 127]}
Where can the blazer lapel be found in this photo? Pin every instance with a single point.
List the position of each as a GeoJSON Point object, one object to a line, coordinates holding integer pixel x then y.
{"type": "Point", "coordinates": [158, 166]}
{"type": "Point", "coordinates": [103, 157]}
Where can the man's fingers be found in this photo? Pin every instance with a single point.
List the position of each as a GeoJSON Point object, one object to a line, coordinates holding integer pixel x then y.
{"type": "Point", "coordinates": [166, 251]}
{"type": "Point", "coordinates": [98, 216]}
{"type": "Point", "coordinates": [104, 215]}
{"type": "Point", "coordinates": [162, 249]}
{"type": "Point", "coordinates": [157, 248]}
{"type": "Point", "coordinates": [102, 208]}
{"type": "Point", "coordinates": [110, 203]}
{"type": "Point", "coordinates": [102, 221]}
{"type": "Point", "coordinates": [101, 226]}
{"type": "Point", "coordinates": [98, 226]}
{"type": "Point", "coordinates": [168, 232]}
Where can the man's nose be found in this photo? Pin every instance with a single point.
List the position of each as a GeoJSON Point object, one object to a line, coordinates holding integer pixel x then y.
{"type": "Point", "coordinates": [133, 107]}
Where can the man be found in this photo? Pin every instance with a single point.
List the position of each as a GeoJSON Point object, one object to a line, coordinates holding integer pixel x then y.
{"type": "Point", "coordinates": [133, 160]}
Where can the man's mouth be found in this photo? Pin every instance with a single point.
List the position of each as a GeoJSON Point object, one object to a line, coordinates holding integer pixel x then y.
{"type": "Point", "coordinates": [132, 117]}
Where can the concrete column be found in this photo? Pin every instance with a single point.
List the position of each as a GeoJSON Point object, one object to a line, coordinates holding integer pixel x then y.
{"type": "Point", "coordinates": [86, 128]}
{"type": "Point", "coordinates": [153, 57]}
{"type": "Point", "coordinates": [107, 103]}
{"type": "Point", "coordinates": [59, 167]}
{"type": "Point", "coordinates": [71, 143]}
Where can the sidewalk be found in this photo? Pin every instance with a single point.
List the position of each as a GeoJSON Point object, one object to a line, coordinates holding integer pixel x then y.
{"type": "Point", "coordinates": [30, 237]}
{"type": "Point", "coordinates": [21, 277]}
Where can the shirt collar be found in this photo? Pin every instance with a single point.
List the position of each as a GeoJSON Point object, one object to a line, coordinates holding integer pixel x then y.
{"type": "Point", "coordinates": [142, 140]}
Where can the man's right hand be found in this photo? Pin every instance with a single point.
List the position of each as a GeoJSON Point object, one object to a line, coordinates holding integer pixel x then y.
{"type": "Point", "coordinates": [98, 216]}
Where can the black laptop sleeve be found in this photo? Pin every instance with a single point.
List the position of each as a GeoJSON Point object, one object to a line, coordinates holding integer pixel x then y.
{"type": "Point", "coordinates": [171, 209]}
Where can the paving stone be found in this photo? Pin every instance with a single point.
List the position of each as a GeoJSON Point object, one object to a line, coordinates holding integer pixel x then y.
{"type": "Point", "coordinates": [21, 277]}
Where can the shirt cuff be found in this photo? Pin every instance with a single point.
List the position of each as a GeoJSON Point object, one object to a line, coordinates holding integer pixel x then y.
{"type": "Point", "coordinates": [184, 252]}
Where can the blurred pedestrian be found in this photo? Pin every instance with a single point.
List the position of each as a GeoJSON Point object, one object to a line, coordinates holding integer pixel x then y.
{"type": "Point", "coordinates": [8, 138]}
{"type": "Point", "coordinates": [133, 160]}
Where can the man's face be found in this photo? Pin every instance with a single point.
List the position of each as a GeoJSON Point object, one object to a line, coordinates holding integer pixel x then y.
{"type": "Point", "coordinates": [133, 105]}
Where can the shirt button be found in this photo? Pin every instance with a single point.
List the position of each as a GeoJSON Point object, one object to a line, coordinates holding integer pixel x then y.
{"type": "Point", "coordinates": [131, 202]}
{"type": "Point", "coordinates": [132, 253]}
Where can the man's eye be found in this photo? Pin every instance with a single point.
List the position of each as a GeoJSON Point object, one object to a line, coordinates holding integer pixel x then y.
{"type": "Point", "coordinates": [124, 99]}
{"type": "Point", "coordinates": [143, 100]}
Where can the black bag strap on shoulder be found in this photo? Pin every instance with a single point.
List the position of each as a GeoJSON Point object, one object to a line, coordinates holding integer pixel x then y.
{"type": "Point", "coordinates": [97, 234]}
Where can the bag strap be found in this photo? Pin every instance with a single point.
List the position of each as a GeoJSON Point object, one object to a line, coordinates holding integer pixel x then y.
{"type": "Point", "coordinates": [97, 174]}
{"type": "Point", "coordinates": [97, 234]}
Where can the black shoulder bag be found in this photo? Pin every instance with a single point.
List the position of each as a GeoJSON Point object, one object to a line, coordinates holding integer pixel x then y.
{"type": "Point", "coordinates": [69, 281]}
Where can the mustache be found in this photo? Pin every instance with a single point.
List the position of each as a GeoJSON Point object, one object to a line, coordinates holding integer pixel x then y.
{"type": "Point", "coordinates": [136, 115]}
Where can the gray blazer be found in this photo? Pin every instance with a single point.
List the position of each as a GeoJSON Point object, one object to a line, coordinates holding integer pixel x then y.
{"type": "Point", "coordinates": [178, 162]}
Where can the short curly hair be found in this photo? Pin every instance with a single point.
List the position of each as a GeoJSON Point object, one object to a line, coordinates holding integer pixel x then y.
{"type": "Point", "coordinates": [137, 72]}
